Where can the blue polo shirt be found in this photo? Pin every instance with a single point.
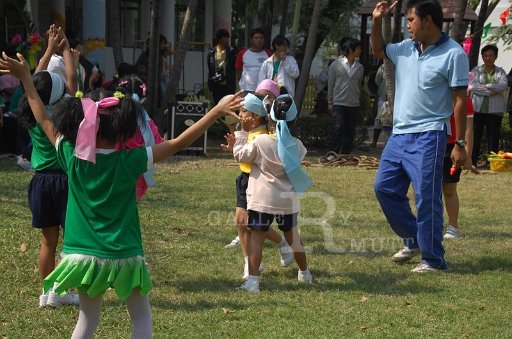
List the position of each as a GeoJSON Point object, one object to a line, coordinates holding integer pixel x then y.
{"type": "Point", "coordinates": [424, 83]}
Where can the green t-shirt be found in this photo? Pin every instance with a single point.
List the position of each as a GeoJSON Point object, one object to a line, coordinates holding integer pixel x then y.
{"type": "Point", "coordinates": [44, 155]}
{"type": "Point", "coordinates": [102, 219]}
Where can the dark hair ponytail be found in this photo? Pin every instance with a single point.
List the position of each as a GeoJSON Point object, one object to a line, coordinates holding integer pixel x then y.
{"type": "Point", "coordinates": [131, 84]}
{"type": "Point", "coordinates": [119, 124]}
{"type": "Point", "coordinates": [43, 84]}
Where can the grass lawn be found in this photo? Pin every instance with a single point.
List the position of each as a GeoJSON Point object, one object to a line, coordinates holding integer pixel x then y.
{"type": "Point", "coordinates": [358, 291]}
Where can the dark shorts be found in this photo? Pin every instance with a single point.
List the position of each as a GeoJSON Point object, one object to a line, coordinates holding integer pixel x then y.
{"type": "Point", "coordinates": [242, 181]}
{"type": "Point", "coordinates": [447, 165]}
{"type": "Point", "coordinates": [261, 221]}
{"type": "Point", "coordinates": [47, 198]}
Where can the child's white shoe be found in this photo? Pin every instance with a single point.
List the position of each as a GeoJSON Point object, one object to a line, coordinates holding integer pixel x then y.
{"type": "Point", "coordinates": [55, 300]}
{"type": "Point", "coordinates": [251, 285]}
{"type": "Point", "coordinates": [305, 277]}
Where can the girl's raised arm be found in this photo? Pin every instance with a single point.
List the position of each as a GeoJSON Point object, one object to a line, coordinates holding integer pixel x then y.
{"type": "Point", "coordinates": [53, 46]}
{"type": "Point", "coordinates": [20, 69]}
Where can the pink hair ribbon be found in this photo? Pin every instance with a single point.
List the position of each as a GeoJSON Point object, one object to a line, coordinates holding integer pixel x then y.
{"type": "Point", "coordinates": [143, 88]}
{"type": "Point", "coordinates": [85, 147]}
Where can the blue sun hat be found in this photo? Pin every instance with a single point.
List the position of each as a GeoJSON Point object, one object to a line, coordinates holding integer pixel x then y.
{"type": "Point", "coordinates": [253, 104]}
{"type": "Point", "coordinates": [282, 111]}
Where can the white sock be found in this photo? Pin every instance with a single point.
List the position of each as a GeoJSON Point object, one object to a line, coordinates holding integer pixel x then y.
{"type": "Point", "coordinates": [253, 278]}
{"type": "Point", "coordinates": [306, 270]}
{"type": "Point", "coordinates": [89, 316]}
{"type": "Point", "coordinates": [140, 315]}
{"type": "Point", "coordinates": [246, 259]}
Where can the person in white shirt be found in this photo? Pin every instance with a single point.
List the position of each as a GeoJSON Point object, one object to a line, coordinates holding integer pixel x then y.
{"type": "Point", "coordinates": [345, 81]}
{"type": "Point", "coordinates": [281, 68]}
{"type": "Point", "coordinates": [249, 60]}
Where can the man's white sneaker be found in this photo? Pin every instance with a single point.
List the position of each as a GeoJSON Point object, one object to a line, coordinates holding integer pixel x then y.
{"type": "Point", "coordinates": [251, 285]}
{"type": "Point", "coordinates": [424, 268]}
{"type": "Point", "coordinates": [55, 300]}
{"type": "Point", "coordinates": [305, 277]}
{"type": "Point", "coordinates": [405, 254]}
{"type": "Point", "coordinates": [286, 253]}
{"type": "Point", "coordinates": [451, 232]}
{"type": "Point", "coordinates": [234, 243]}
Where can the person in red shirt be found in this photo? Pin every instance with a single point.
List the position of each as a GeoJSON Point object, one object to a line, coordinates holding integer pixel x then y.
{"type": "Point", "coordinates": [451, 175]}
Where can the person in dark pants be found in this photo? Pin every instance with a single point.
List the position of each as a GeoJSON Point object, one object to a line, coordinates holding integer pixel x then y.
{"type": "Point", "coordinates": [221, 67]}
{"type": "Point", "coordinates": [345, 79]}
{"type": "Point", "coordinates": [489, 82]}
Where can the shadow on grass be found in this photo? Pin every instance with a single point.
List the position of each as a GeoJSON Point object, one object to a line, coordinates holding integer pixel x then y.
{"type": "Point", "coordinates": [198, 305]}
{"type": "Point", "coordinates": [482, 264]}
{"type": "Point", "coordinates": [385, 283]}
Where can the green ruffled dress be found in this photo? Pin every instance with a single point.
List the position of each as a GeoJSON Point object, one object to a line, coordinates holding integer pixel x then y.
{"type": "Point", "coordinates": [102, 239]}
{"type": "Point", "coordinates": [93, 276]}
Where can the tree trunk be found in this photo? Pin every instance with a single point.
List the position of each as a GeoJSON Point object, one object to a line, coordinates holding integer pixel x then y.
{"type": "Point", "coordinates": [477, 38]}
{"type": "Point", "coordinates": [458, 31]}
{"type": "Point", "coordinates": [180, 51]}
{"type": "Point", "coordinates": [389, 67]}
{"type": "Point", "coordinates": [308, 56]}
{"type": "Point", "coordinates": [284, 17]}
{"type": "Point", "coordinates": [114, 10]}
{"type": "Point", "coordinates": [154, 53]}
{"type": "Point", "coordinates": [261, 14]}
{"type": "Point", "coordinates": [295, 26]}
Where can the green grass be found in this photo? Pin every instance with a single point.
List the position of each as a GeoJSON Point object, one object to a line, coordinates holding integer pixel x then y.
{"type": "Point", "coordinates": [187, 219]}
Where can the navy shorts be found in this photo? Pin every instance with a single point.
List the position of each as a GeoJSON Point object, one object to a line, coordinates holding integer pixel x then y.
{"type": "Point", "coordinates": [242, 181]}
{"type": "Point", "coordinates": [447, 165]}
{"type": "Point", "coordinates": [48, 198]}
{"type": "Point", "coordinates": [261, 221]}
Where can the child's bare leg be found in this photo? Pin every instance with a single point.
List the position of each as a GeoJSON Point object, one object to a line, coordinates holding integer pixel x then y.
{"type": "Point", "coordinates": [241, 226]}
{"type": "Point", "coordinates": [47, 250]}
{"type": "Point", "coordinates": [255, 251]}
{"type": "Point", "coordinates": [140, 315]}
{"type": "Point", "coordinates": [451, 202]}
{"type": "Point", "coordinates": [89, 316]}
{"type": "Point", "coordinates": [273, 236]}
{"type": "Point", "coordinates": [293, 238]}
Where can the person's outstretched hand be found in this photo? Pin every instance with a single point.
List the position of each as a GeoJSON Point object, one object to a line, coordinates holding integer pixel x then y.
{"type": "Point", "coordinates": [230, 106]}
{"type": "Point", "coordinates": [382, 9]}
{"type": "Point", "coordinates": [19, 68]}
{"type": "Point", "coordinates": [230, 142]}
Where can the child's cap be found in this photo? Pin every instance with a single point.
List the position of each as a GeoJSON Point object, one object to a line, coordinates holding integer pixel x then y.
{"type": "Point", "coordinates": [269, 85]}
{"type": "Point", "coordinates": [253, 104]}
{"type": "Point", "coordinates": [9, 81]}
{"type": "Point", "coordinates": [283, 108]}
{"type": "Point", "coordinates": [58, 87]}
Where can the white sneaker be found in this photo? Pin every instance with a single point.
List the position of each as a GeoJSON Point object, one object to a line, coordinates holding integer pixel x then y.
{"type": "Point", "coordinates": [43, 299]}
{"type": "Point", "coordinates": [234, 243]}
{"type": "Point", "coordinates": [246, 270]}
{"type": "Point", "coordinates": [24, 163]}
{"type": "Point", "coordinates": [424, 268]}
{"type": "Point", "coordinates": [305, 277]}
{"type": "Point", "coordinates": [405, 254]}
{"type": "Point", "coordinates": [451, 232]}
{"type": "Point", "coordinates": [55, 300]}
{"type": "Point", "coordinates": [251, 285]}
{"type": "Point", "coordinates": [286, 253]}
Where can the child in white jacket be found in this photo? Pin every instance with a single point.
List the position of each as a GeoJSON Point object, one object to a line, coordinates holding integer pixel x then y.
{"type": "Point", "coordinates": [275, 181]}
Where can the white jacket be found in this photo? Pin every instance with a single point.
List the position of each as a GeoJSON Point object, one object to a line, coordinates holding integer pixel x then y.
{"type": "Point", "coordinates": [286, 74]}
{"type": "Point", "coordinates": [481, 90]}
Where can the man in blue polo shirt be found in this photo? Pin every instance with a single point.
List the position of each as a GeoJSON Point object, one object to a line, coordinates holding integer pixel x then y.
{"type": "Point", "coordinates": [431, 80]}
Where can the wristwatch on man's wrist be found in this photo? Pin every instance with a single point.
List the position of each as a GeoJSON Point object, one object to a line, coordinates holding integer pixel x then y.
{"type": "Point", "coordinates": [461, 143]}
